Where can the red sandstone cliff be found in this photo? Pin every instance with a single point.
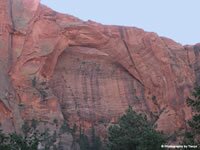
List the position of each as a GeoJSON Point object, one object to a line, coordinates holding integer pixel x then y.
{"type": "Point", "coordinates": [54, 65]}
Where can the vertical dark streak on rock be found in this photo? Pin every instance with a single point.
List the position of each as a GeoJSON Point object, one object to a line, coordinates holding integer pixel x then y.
{"type": "Point", "coordinates": [118, 87]}
{"type": "Point", "coordinates": [12, 102]}
{"type": "Point", "coordinates": [74, 97]}
{"type": "Point", "coordinates": [92, 86]}
{"type": "Point", "coordinates": [84, 85]}
{"type": "Point", "coordinates": [94, 83]}
{"type": "Point", "coordinates": [97, 93]}
{"type": "Point", "coordinates": [10, 37]}
{"type": "Point", "coordinates": [188, 58]}
{"type": "Point", "coordinates": [93, 90]}
{"type": "Point", "coordinates": [125, 87]}
{"type": "Point", "coordinates": [71, 92]}
{"type": "Point", "coordinates": [131, 91]}
{"type": "Point", "coordinates": [76, 91]}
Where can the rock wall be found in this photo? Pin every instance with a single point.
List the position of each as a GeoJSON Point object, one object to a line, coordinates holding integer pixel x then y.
{"type": "Point", "coordinates": [57, 66]}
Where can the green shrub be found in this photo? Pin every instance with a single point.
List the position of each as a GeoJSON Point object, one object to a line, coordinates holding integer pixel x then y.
{"type": "Point", "coordinates": [29, 140]}
{"type": "Point", "coordinates": [134, 132]}
{"type": "Point", "coordinates": [26, 127]}
{"type": "Point", "coordinates": [34, 123]}
{"type": "Point", "coordinates": [65, 127]}
{"type": "Point", "coordinates": [18, 142]}
{"type": "Point", "coordinates": [85, 144]}
{"type": "Point", "coordinates": [192, 134]}
{"type": "Point", "coordinates": [83, 141]}
{"type": "Point", "coordinates": [43, 94]}
{"type": "Point", "coordinates": [34, 82]}
{"type": "Point", "coordinates": [55, 121]}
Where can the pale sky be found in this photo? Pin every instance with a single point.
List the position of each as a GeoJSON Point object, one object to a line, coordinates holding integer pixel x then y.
{"type": "Point", "coordinates": [176, 19]}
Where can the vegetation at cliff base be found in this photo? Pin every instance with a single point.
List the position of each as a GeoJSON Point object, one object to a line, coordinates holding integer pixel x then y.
{"type": "Point", "coordinates": [192, 135]}
{"type": "Point", "coordinates": [18, 142]}
{"type": "Point", "coordinates": [85, 144]}
{"type": "Point", "coordinates": [29, 140]}
{"type": "Point", "coordinates": [134, 132]}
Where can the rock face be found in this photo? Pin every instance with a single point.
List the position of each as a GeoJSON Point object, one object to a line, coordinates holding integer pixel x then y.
{"type": "Point", "coordinates": [57, 66]}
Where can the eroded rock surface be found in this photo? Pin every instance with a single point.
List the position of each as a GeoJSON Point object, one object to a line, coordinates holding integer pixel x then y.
{"type": "Point", "coordinates": [57, 66]}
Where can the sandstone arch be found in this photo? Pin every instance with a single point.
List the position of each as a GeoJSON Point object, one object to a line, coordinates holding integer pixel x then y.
{"type": "Point", "coordinates": [160, 65]}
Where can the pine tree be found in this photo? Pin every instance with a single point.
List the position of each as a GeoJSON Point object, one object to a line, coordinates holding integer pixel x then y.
{"type": "Point", "coordinates": [83, 140]}
{"type": "Point", "coordinates": [192, 135]}
{"type": "Point", "coordinates": [86, 144]}
{"type": "Point", "coordinates": [134, 132]}
{"type": "Point", "coordinates": [95, 141]}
